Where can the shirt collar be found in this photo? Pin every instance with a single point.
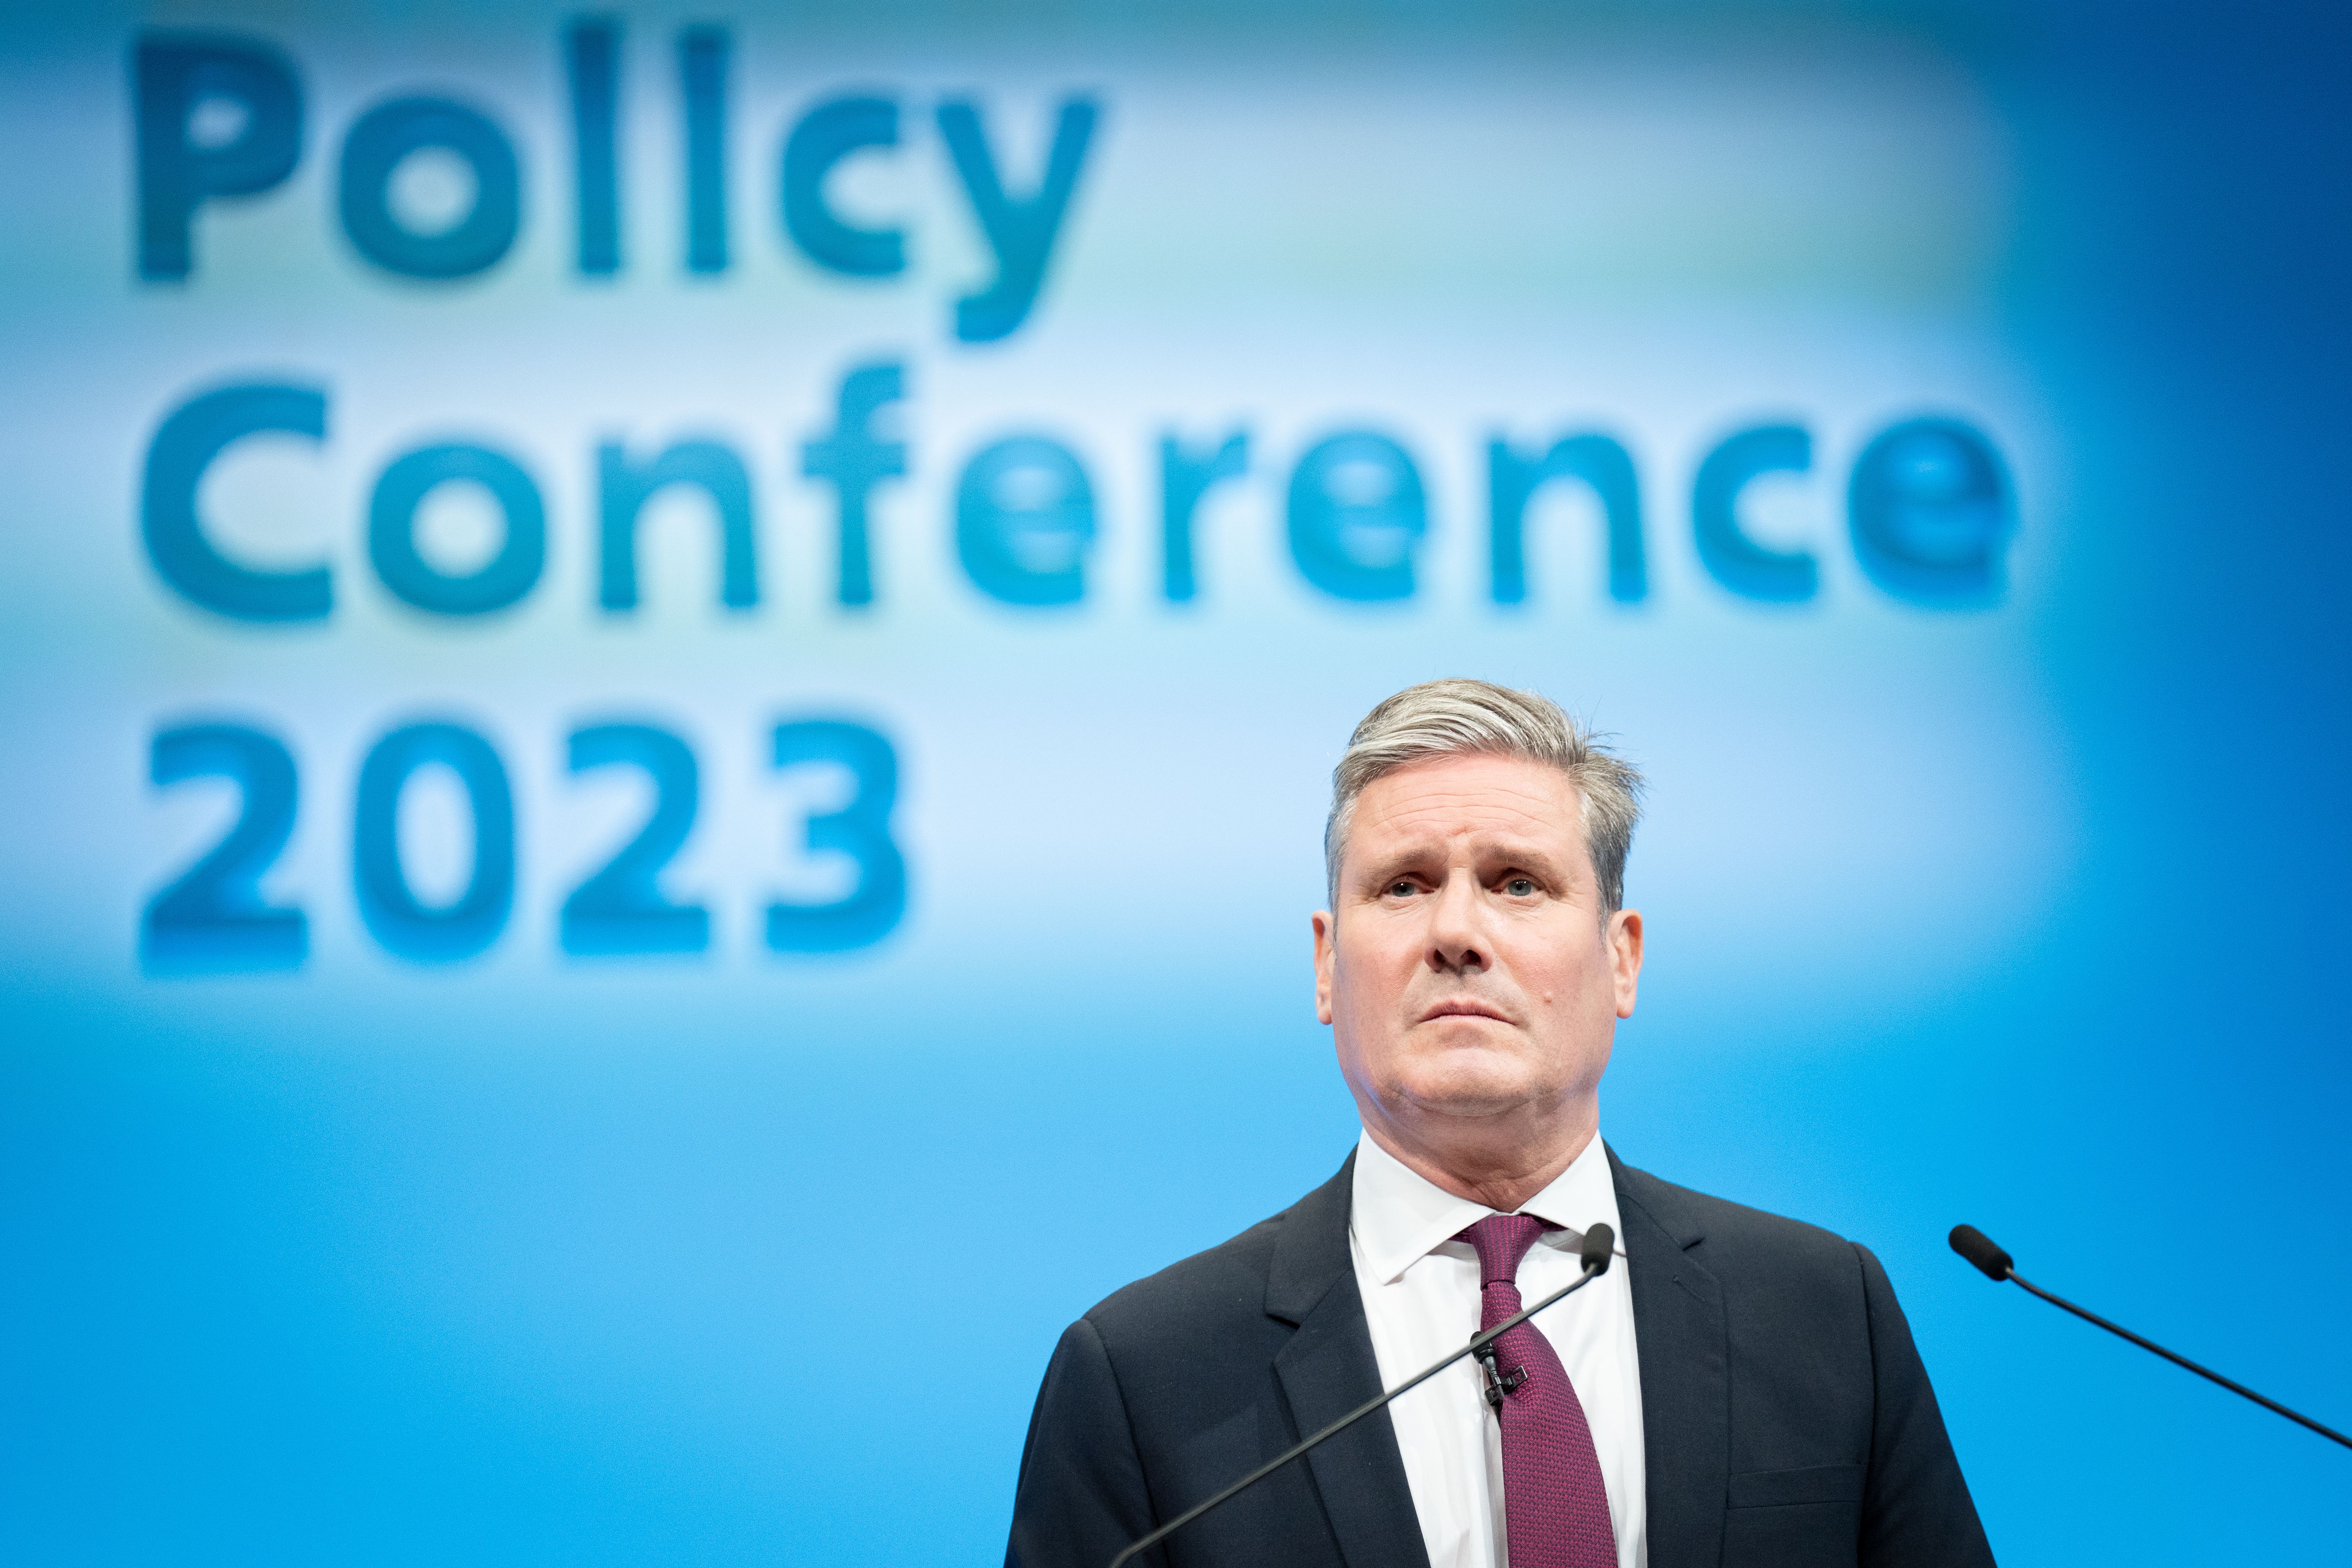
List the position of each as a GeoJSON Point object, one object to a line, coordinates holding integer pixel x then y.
{"type": "Point", "coordinates": [1400, 1216]}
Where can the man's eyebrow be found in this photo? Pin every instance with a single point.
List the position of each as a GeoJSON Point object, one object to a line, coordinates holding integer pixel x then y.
{"type": "Point", "coordinates": [1515, 851]}
{"type": "Point", "coordinates": [1528, 854]}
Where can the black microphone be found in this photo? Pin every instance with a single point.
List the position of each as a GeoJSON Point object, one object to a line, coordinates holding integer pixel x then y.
{"type": "Point", "coordinates": [1599, 1244]}
{"type": "Point", "coordinates": [1981, 1250]}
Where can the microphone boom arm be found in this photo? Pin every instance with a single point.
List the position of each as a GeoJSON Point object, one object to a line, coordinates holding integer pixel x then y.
{"type": "Point", "coordinates": [2180, 1360]}
{"type": "Point", "coordinates": [1997, 1265]}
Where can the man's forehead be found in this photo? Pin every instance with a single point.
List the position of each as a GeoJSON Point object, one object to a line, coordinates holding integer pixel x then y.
{"type": "Point", "coordinates": [1474, 797]}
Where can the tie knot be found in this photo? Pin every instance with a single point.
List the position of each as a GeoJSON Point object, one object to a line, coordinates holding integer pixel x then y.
{"type": "Point", "coordinates": [1501, 1240]}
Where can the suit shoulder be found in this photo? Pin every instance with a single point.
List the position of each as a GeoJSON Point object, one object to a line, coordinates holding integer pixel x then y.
{"type": "Point", "coordinates": [1194, 1295]}
{"type": "Point", "coordinates": [1226, 1288]}
{"type": "Point", "coordinates": [1739, 1235]}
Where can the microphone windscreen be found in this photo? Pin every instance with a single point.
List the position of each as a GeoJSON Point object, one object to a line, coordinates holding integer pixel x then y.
{"type": "Point", "coordinates": [1981, 1250]}
{"type": "Point", "coordinates": [1600, 1246]}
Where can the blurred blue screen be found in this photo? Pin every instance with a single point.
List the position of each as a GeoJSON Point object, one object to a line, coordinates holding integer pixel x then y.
{"type": "Point", "coordinates": [671, 677]}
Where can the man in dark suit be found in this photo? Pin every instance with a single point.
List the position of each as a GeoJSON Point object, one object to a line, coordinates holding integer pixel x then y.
{"type": "Point", "coordinates": [1742, 1389]}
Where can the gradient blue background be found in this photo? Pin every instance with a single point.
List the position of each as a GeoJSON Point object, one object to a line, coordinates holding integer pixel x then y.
{"type": "Point", "coordinates": [2028, 915]}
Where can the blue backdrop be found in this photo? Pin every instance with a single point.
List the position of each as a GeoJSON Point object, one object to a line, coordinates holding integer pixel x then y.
{"type": "Point", "coordinates": [670, 678]}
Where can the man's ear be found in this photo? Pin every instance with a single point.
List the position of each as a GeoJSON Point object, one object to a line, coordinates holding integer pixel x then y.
{"type": "Point", "coordinates": [1325, 960]}
{"type": "Point", "coordinates": [1624, 938]}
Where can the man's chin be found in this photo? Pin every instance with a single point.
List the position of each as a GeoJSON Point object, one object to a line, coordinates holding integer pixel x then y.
{"type": "Point", "coordinates": [1471, 1084]}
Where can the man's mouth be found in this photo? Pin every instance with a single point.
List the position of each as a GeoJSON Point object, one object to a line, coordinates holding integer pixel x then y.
{"type": "Point", "coordinates": [1465, 1007]}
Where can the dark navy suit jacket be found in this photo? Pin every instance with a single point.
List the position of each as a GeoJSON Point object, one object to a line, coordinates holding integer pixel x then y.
{"type": "Point", "coordinates": [1786, 1419]}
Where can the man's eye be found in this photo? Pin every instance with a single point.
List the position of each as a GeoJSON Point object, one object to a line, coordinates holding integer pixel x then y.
{"type": "Point", "coordinates": [1519, 887]}
{"type": "Point", "coordinates": [1400, 890]}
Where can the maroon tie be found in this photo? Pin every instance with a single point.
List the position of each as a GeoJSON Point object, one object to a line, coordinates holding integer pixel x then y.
{"type": "Point", "coordinates": [1554, 1503]}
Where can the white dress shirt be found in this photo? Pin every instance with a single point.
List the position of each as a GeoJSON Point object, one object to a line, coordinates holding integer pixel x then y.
{"type": "Point", "coordinates": [1421, 1299]}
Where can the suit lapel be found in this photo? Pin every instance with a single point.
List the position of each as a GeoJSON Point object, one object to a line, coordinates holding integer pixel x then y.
{"type": "Point", "coordinates": [1684, 1348]}
{"type": "Point", "coordinates": [1327, 1368]}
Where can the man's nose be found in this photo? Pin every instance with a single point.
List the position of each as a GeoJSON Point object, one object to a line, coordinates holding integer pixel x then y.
{"type": "Point", "coordinates": [1457, 938]}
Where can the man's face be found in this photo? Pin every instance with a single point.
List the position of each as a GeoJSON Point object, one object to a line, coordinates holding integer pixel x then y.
{"type": "Point", "coordinates": [1464, 967]}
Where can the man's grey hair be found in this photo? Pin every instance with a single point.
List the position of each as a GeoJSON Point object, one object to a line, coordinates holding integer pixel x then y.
{"type": "Point", "coordinates": [1477, 718]}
